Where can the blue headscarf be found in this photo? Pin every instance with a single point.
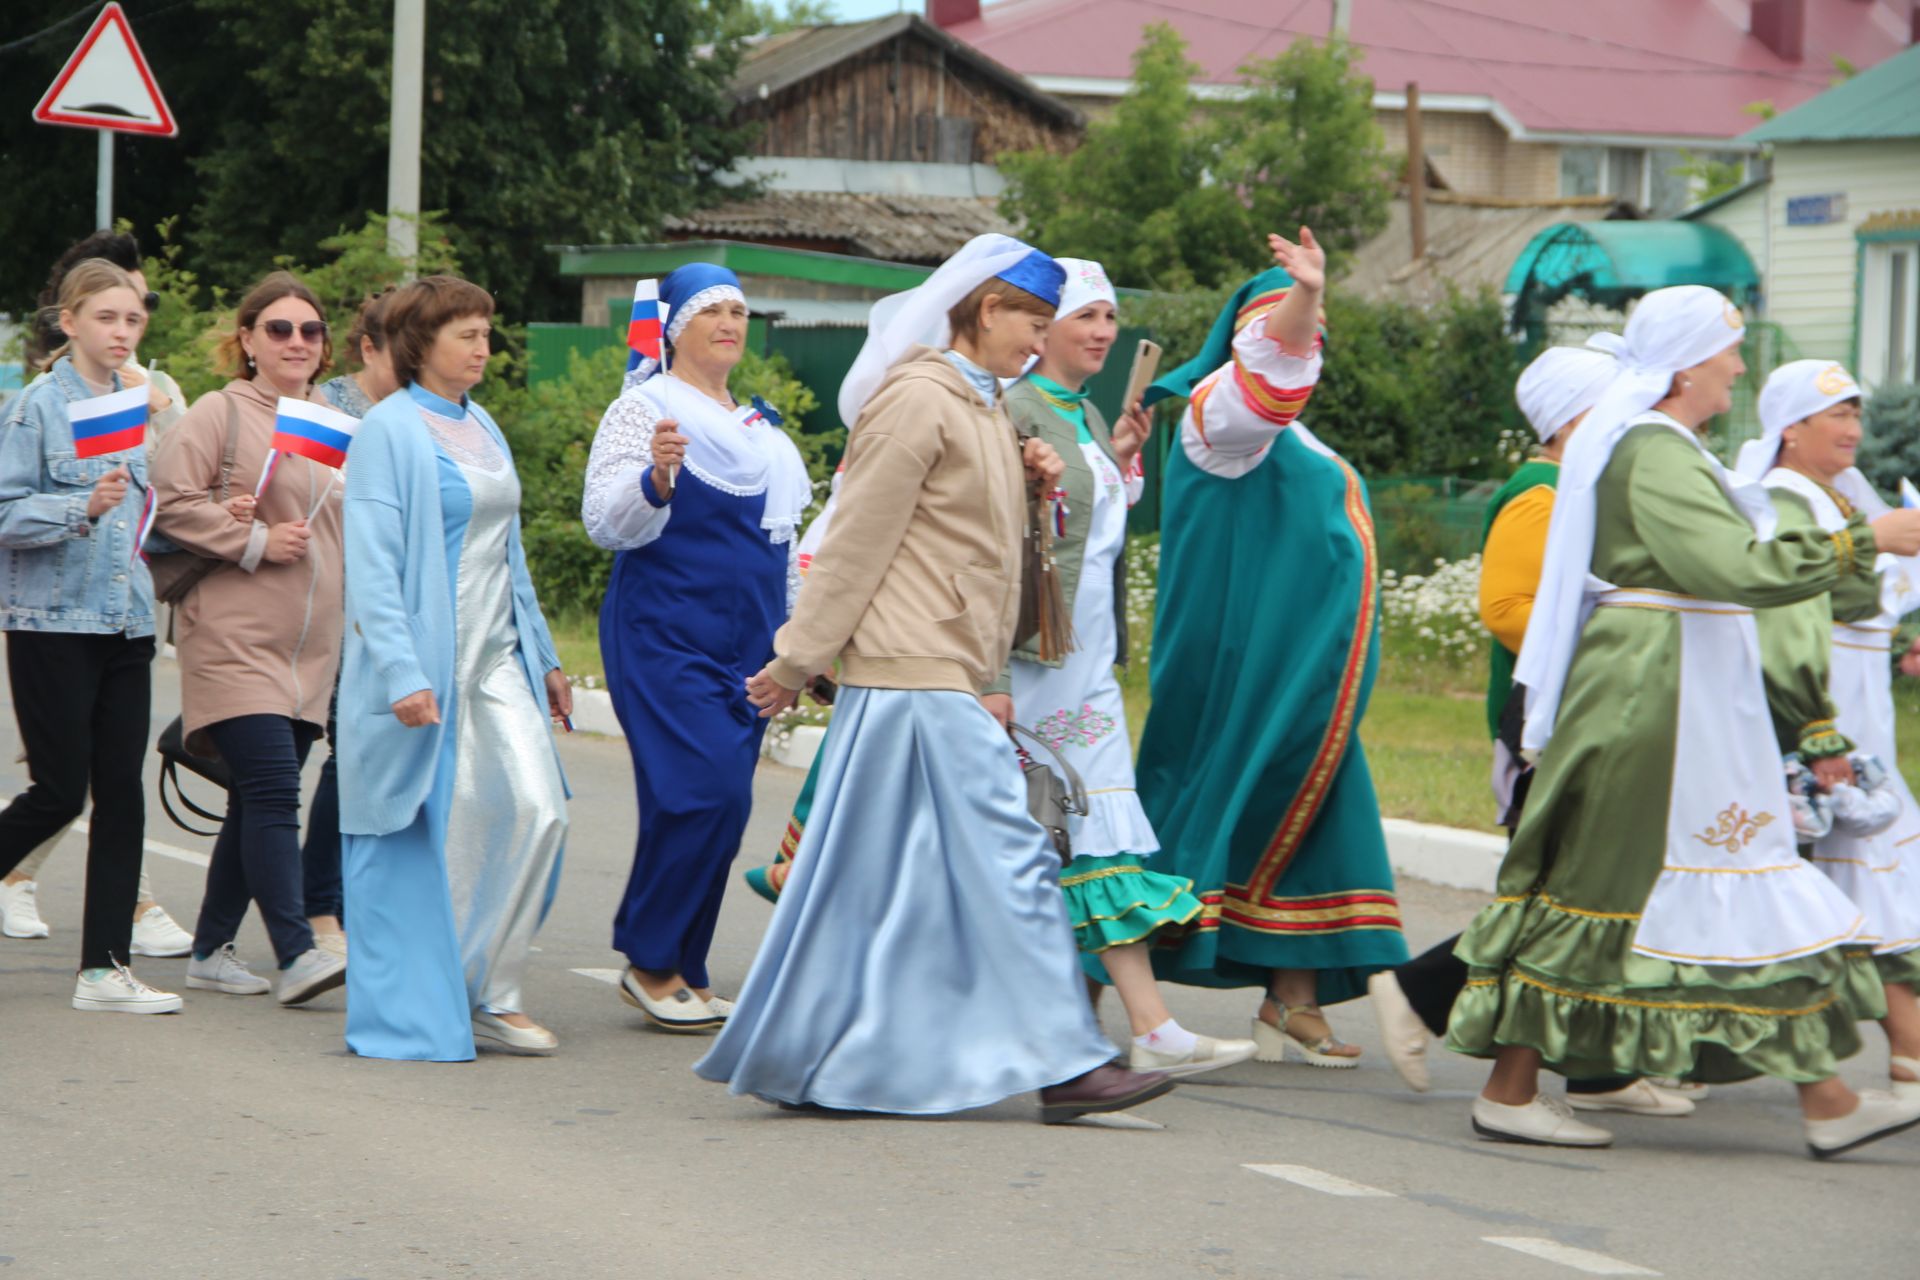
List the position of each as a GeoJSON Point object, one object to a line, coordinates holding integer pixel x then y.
{"type": "Point", "coordinates": [689, 290]}
{"type": "Point", "coordinates": [1251, 298]}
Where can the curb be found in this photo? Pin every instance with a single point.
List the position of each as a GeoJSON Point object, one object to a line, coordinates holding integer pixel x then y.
{"type": "Point", "coordinates": [1439, 855]}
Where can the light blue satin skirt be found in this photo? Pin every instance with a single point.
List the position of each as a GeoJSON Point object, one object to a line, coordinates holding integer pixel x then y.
{"type": "Point", "coordinates": [920, 960]}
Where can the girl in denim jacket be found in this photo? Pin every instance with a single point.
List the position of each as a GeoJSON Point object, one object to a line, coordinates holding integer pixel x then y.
{"type": "Point", "coordinates": [76, 604]}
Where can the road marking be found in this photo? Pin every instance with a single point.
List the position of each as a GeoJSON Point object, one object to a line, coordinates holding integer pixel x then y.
{"type": "Point", "coordinates": [609, 976]}
{"type": "Point", "coordinates": [1315, 1180]}
{"type": "Point", "coordinates": [154, 846]}
{"type": "Point", "coordinates": [1594, 1264]}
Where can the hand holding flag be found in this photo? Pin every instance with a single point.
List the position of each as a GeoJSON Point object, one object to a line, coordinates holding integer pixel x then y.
{"type": "Point", "coordinates": [109, 424]}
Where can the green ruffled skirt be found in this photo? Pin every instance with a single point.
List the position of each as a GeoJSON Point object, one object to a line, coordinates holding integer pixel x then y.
{"type": "Point", "coordinates": [1902, 968]}
{"type": "Point", "coordinates": [1115, 900]}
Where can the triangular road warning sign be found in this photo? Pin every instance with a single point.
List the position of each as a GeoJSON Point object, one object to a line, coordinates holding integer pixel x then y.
{"type": "Point", "coordinates": [106, 84]}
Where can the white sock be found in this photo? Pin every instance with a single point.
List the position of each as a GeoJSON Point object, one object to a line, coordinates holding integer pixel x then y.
{"type": "Point", "coordinates": [1168, 1037]}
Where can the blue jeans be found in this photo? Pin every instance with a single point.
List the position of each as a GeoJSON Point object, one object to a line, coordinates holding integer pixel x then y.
{"type": "Point", "coordinates": [257, 857]}
{"type": "Point", "coordinates": [320, 858]}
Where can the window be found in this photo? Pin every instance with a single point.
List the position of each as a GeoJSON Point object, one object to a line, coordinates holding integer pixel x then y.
{"type": "Point", "coordinates": [1580, 170]}
{"type": "Point", "coordinates": [1890, 311]}
{"type": "Point", "coordinates": [1621, 172]}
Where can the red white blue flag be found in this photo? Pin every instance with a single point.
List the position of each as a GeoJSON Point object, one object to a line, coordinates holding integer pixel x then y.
{"type": "Point", "coordinates": [311, 431]}
{"type": "Point", "coordinates": [110, 423]}
{"type": "Point", "coordinates": [644, 326]}
{"type": "Point", "coordinates": [147, 514]}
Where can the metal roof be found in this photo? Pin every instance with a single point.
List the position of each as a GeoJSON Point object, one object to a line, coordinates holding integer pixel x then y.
{"type": "Point", "coordinates": [783, 60]}
{"type": "Point", "coordinates": [1883, 102]}
{"type": "Point", "coordinates": [1653, 68]}
{"type": "Point", "coordinates": [1612, 262]}
{"type": "Point", "coordinates": [896, 228]}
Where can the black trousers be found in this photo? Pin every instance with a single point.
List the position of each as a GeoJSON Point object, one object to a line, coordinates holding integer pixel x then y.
{"type": "Point", "coordinates": [83, 703]}
{"type": "Point", "coordinates": [257, 855]}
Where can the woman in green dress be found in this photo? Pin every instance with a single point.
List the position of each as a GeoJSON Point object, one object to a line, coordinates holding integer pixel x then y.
{"type": "Point", "coordinates": [1653, 916]}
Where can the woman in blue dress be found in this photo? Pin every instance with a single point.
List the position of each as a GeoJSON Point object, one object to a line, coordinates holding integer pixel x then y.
{"type": "Point", "coordinates": [452, 804]}
{"type": "Point", "coordinates": [700, 496]}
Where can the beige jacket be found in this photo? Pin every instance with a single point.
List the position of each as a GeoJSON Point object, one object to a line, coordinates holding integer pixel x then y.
{"type": "Point", "coordinates": [255, 638]}
{"type": "Point", "coordinates": [917, 584]}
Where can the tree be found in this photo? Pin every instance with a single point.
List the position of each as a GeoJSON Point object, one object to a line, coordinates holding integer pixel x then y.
{"type": "Point", "coordinates": [1168, 194]}
{"type": "Point", "coordinates": [546, 121]}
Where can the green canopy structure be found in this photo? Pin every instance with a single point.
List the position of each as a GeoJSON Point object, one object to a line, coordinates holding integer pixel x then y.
{"type": "Point", "coordinates": [1612, 263]}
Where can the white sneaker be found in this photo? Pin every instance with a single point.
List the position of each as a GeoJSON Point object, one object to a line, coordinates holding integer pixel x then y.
{"type": "Point", "coordinates": [19, 913]}
{"type": "Point", "coordinates": [314, 972]}
{"type": "Point", "coordinates": [1546, 1121]}
{"type": "Point", "coordinates": [1402, 1033]}
{"type": "Point", "coordinates": [225, 971]}
{"type": "Point", "coordinates": [1641, 1098]}
{"type": "Point", "coordinates": [120, 992]}
{"type": "Point", "coordinates": [1207, 1054]}
{"type": "Point", "coordinates": [1879, 1115]}
{"type": "Point", "coordinates": [155, 934]}
{"type": "Point", "coordinates": [332, 943]}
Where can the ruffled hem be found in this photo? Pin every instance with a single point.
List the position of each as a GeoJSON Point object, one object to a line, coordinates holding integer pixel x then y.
{"type": "Point", "coordinates": [1115, 824]}
{"type": "Point", "coordinates": [1117, 901]}
{"type": "Point", "coordinates": [1901, 966]}
{"type": "Point", "coordinates": [1569, 984]}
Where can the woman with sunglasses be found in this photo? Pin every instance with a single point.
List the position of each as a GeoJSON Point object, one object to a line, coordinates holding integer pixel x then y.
{"type": "Point", "coordinates": [259, 637]}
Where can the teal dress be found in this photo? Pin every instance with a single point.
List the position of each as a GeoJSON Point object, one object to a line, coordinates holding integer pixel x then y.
{"type": "Point", "coordinates": [1264, 652]}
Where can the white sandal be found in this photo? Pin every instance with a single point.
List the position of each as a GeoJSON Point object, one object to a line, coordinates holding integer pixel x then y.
{"type": "Point", "coordinates": [1273, 1043]}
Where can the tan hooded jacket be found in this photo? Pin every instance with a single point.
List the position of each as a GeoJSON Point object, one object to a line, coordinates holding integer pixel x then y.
{"type": "Point", "coordinates": [917, 585]}
{"type": "Point", "coordinates": [255, 638]}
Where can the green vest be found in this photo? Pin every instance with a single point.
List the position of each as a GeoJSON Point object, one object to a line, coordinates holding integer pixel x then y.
{"type": "Point", "coordinates": [1500, 659]}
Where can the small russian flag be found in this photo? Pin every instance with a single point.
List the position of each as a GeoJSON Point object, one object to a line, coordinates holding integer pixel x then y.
{"type": "Point", "coordinates": [147, 514]}
{"type": "Point", "coordinates": [109, 423]}
{"type": "Point", "coordinates": [643, 327]}
{"type": "Point", "coordinates": [313, 431]}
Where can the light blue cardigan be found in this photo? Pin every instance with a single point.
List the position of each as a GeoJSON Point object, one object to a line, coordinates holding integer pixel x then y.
{"type": "Point", "coordinates": [400, 613]}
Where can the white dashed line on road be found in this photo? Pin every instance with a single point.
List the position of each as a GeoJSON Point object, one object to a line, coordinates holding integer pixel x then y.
{"type": "Point", "coordinates": [173, 851]}
{"type": "Point", "coordinates": [1315, 1180]}
{"type": "Point", "coordinates": [609, 976]}
{"type": "Point", "coordinates": [1594, 1264]}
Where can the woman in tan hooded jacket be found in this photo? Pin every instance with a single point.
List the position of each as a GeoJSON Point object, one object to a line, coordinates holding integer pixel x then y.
{"type": "Point", "coordinates": [259, 637]}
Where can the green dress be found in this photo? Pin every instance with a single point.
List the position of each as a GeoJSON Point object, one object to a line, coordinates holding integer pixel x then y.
{"type": "Point", "coordinates": [1553, 962]}
{"type": "Point", "coordinates": [1264, 652]}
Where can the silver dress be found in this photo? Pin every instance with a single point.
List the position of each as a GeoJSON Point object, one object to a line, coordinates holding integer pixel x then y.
{"type": "Point", "coordinates": [508, 819]}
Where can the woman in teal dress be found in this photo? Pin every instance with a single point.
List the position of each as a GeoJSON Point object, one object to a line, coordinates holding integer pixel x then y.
{"type": "Point", "coordinates": [1263, 656]}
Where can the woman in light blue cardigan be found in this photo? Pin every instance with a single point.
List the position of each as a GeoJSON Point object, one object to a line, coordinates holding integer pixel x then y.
{"type": "Point", "coordinates": [452, 803]}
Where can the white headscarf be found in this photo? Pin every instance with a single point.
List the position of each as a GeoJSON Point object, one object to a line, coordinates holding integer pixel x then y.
{"type": "Point", "coordinates": [918, 318]}
{"type": "Point", "coordinates": [1564, 382]}
{"type": "Point", "coordinates": [1794, 392]}
{"type": "Point", "coordinates": [1086, 282]}
{"type": "Point", "coordinates": [1671, 330]}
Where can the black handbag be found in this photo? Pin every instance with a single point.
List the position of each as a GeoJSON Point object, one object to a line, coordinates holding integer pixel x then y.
{"type": "Point", "coordinates": [1050, 800]}
{"type": "Point", "coordinates": [172, 749]}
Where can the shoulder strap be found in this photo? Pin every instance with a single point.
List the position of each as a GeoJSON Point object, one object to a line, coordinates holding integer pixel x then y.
{"type": "Point", "coordinates": [233, 442]}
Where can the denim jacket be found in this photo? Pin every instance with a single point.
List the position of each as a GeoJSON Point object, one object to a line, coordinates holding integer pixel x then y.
{"type": "Point", "coordinates": [60, 571]}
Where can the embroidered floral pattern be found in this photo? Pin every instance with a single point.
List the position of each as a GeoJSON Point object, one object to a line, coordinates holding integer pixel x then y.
{"type": "Point", "coordinates": [1733, 829]}
{"type": "Point", "coordinates": [1079, 729]}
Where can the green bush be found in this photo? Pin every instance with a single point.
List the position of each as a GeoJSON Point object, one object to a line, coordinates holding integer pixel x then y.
{"type": "Point", "coordinates": [1891, 450]}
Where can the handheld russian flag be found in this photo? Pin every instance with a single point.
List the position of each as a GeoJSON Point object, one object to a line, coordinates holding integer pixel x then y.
{"type": "Point", "coordinates": [1909, 496]}
{"type": "Point", "coordinates": [146, 526]}
{"type": "Point", "coordinates": [311, 431]}
{"type": "Point", "coordinates": [109, 423]}
{"type": "Point", "coordinates": [643, 327]}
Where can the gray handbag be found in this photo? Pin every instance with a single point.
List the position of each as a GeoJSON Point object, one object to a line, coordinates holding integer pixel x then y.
{"type": "Point", "coordinates": [1049, 800]}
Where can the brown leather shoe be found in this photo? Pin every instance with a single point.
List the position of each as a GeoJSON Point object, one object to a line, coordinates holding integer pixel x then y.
{"type": "Point", "coordinates": [1108, 1088]}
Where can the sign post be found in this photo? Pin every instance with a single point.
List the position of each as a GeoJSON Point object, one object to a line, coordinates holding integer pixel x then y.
{"type": "Point", "coordinates": [107, 86]}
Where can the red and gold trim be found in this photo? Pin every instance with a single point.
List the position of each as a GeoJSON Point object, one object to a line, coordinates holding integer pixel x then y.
{"type": "Point", "coordinates": [1278, 405]}
{"type": "Point", "coordinates": [1313, 791]}
{"type": "Point", "coordinates": [1322, 913]}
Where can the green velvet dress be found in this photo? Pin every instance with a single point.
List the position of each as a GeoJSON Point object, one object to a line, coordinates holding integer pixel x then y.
{"type": "Point", "coordinates": [1552, 962]}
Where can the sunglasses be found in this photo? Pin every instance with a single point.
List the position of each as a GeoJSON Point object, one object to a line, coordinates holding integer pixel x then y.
{"type": "Point", "coordinates": [282, 330]}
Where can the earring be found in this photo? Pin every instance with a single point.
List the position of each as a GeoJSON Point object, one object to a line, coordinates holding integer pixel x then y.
{"type": "Point", "coordinates": [249, 362]}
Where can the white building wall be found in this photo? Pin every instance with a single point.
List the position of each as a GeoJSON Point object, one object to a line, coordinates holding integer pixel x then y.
{"type": "Point", "coordinates": [1810, 272]}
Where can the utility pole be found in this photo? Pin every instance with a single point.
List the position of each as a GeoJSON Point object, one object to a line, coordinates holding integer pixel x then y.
{"type": "Point", "coordinates": [1416, 174]}
{"type": "Point", "coordinates": [1342, 18]}
{"type": "Point", "coordinates": [403, 135]}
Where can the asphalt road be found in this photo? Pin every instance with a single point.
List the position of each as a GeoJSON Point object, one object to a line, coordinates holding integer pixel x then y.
{"type": "Point", "coordinates": [239, 1139]}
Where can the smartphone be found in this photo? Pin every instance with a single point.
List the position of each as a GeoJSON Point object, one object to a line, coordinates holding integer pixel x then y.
{"type": "Point", "coordinates": [1146, 363]}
